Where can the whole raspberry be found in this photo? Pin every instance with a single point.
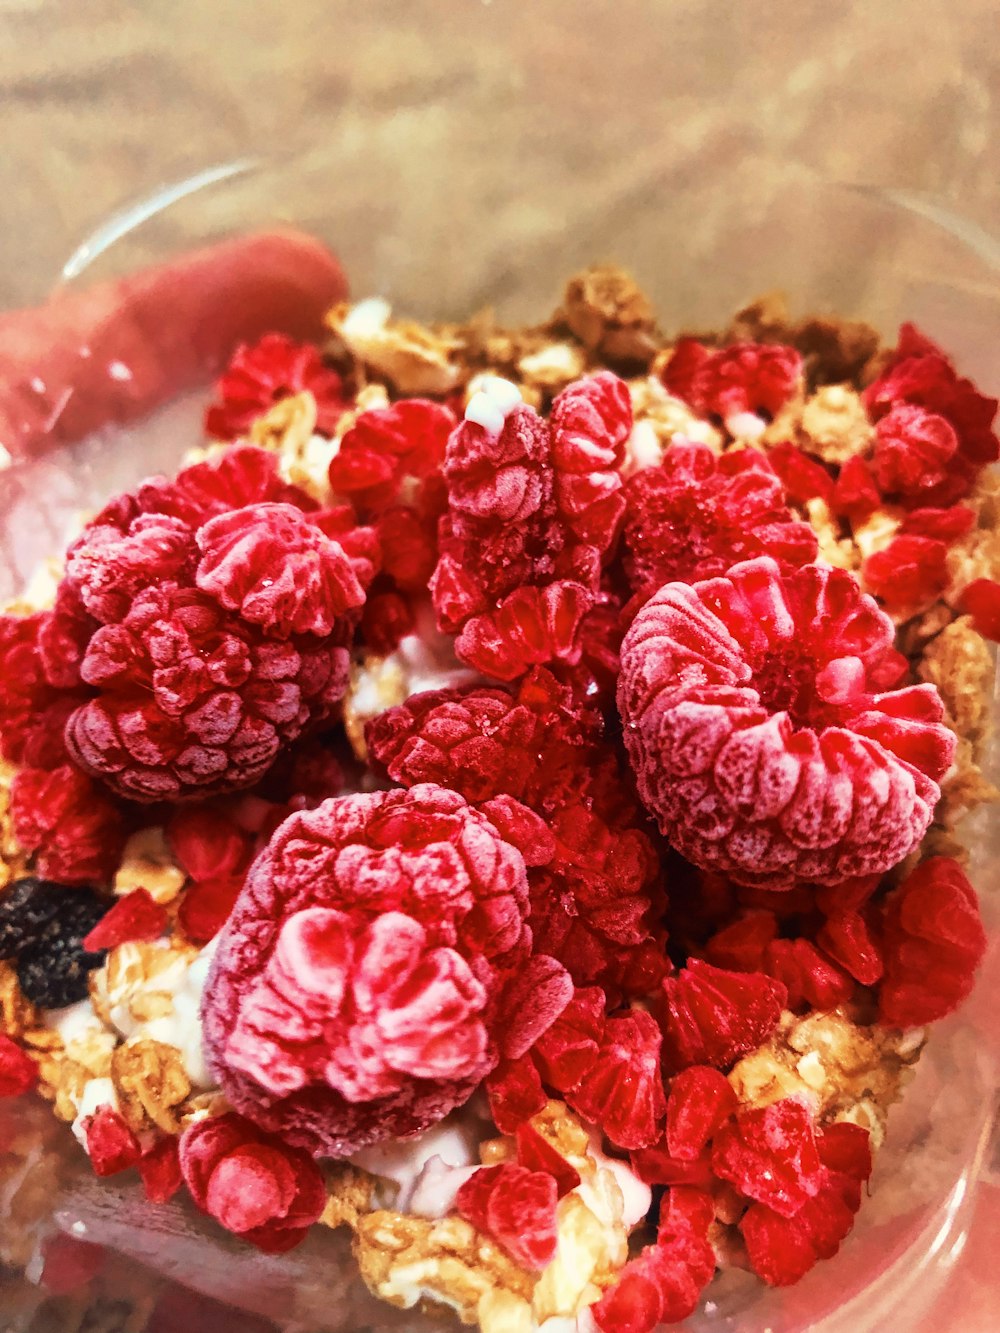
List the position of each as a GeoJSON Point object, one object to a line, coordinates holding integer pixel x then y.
{"type": "Point", "coordinates": [219, 607]}
{"type": "Point", "coordinates": [746, 384]}
{"type": "Point", "coordinates": [261, 374]}
{"type": "Point", "coordinates": [934, 942]}
{"type": "Point", "coordinates": [940, 427]}
{"type": "Point", "coordinates": [909, 573]}
{"type": "Point", "coordinates": [359, 987]}
{"type": "Point", "coordinates": [534, 508]}
{"type": "Point", "coordinates": [696, 514]}
{"type": "Point", "coordinates": [756, 738]}
{"type": "Point", "coordinates": [387, 446]}
{"type": "Point", "coordinates": [75, 830]}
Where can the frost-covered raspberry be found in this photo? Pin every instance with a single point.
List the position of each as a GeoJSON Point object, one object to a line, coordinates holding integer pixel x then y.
{"type": "Point", "coordinates": [261, 374]}
{"type": "Point", "coordinates": [210, 617]}
{"type": "Point", "coordinates": [934, 429]}
{"type": "Point", "coordinates": [75, 830]}
{"type": "Point", "coordinates": [360, 989]}
{"type": "Point", "coordinates": [696, 514]}
{"type": "Point", "coordinates": [758, 735]}
{"type": "Point", "coordinates": [746, 384]}
{"type": "Point", "coordinates": [387, 447]}
{"type": "Point", "coordinates": [534, 507]}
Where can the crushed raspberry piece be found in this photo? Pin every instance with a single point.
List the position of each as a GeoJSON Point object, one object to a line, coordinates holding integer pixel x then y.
{"type": "Point", "coordinates": [206, 907]}
{"type": "Point", "coordinates": [39, 680]}
{"type": "Point", "coordinates": [803, 478]}
{"type": "Point", "coordinates": [537, 1154]}
{"type": "Point", "coordinates": [783, 1248]}
{"type": "Point", "coordinates": [18, 1072]}
{"type": "Point", "coordinates": [933, 943]}
{"type": "Point", "coordinates": [135, 917]}
{"type": "Point", "coordinates": [242, 475]}
{"type": "Point", "coordinates": [848, 939]}
{"type": "Point", "coordinates": [946, 525]}
{"type": "Point", "coordinates": [570, 1047]}
{"type": "Point", "coordinates": [664, 1282]}
{"type": "Point", "coordinates": [389, 923]}
{"type": "Point", "coordinates": [623, 1090]}
{"type": "Point", "coordinates": [700, 1101]}
{"type": "Point", "coordinates": [387, 445]}
{"type": "Point", "coordinates": [913, 448]}
{"type": "Point", "coordinates": [409, 548]}
{"type": "Point", "coordinates": [713, 1016]}
{"type": "Point", "coordinates": [111, 1145]}
{"type": "Point", "coordinates": [207, 843]}
{"type": "Point", "coordinates": [387, 618]}
{"type": "Point", "coordinates": [70, 1263]}
{"type": "Point", "coordinates": [252, 1183]}
{"type": "Point", "coordinates": [515, 1093]}
{"type": "Point", "coordinates": [920, 375]}
{"type": "Point", "coordinates": [261, 374]}
{"type": "Point", "coordinates": [981, 600]}
{"type": "Point", "coordinates": [656, 1166]}
{"type": "Point", "coordinates": [533, 510]}
{"type": "Point", "coordinates": [807, 976]}
{"type": "Point", "coordinates": [277, 569]}
{"type": "Point", "coordinates": [160, 1169]}
{"type": "Point", "coordinates": [696, 514]}
{"type": "Point", "coordinates": [742, 379]}
{"type": "Point", "coordinates": [517, 1207]}
{"type": "Point", "coordinates": [740, 945]}
{"type": "Point", "coordinates": [854, 493]}
{"type": "Point", "coordinates": [910, 572]}
{"type": "Point", "coordinates": [769, 1153]}
{"type": "Point", "coordinates": [72, 826]}
{"type": "Point", "coordinates": [755, 737]}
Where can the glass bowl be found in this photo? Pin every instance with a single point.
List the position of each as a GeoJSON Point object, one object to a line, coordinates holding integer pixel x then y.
{"type": "Point", "coordinates": [701, 245]}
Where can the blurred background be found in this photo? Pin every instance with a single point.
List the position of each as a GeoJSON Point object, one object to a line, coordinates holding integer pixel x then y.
{"type": "Point", "coordinates": [104, 100]}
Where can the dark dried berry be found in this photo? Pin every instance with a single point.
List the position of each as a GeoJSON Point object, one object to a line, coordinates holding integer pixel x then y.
{"type": "Point", "coordinates": [53, 966]}
{"type": "Point", "coordinates": [26, 908]}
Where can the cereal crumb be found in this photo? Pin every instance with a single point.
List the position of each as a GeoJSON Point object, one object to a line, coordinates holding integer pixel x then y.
{"type": "Point", "coordinates": [148, 863]}
{"type": "Point", "coordinates": [412, 358]}
{"type": "Point", "coordinates": [835, 424]}
{"type": "Point", "coordinates": [151, 1083]}
{"type": "Point", "coordinates": [605, 308]}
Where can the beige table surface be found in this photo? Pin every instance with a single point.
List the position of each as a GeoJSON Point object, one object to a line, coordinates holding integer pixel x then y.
{"type": "Point", "coordinates": [101, 100]}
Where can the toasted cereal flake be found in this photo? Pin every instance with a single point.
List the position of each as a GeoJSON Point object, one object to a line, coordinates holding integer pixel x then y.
{"type": "Point", "coordinates": [553, 366]}
{"type": "Point", "coordinates": [151, 1083]}
{"type": "Point", "coordinates": [848, 1071]}
{"type": "Point", "coordinates": [665, 417]}
{"type": "Point", "coordinates": [609, 313]}
{"type": "Point", "coordinates": [350, 1195]}
{"type": "Point", "coordinates": [876, 531]}
{"type": "Point", "coordinates": [289, 430]}
{"type": "Point", "coordinates": [148, 863]}
{"type": "Point", "coordinates": [833, 548]}
{"type": "Point", "coordinates": [411, 357]}
{"type": "Point", "coordinates": [960, 664]}
{"type": "Point", "coordinates": [835, 424]}
{"type": "Point", "coordinates": [13, 860]}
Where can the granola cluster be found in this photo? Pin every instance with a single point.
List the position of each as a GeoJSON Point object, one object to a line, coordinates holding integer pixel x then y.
{"type": "Point", "coordinates": [500, 797]}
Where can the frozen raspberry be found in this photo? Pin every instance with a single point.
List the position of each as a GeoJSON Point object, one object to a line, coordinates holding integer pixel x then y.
{"type": "Point", "coordinates": [740, 945]}
{"type": "Point", "coordinates": [386, 446]}
{"type": "Point", "coordinates": [74, 829]}
{"type": "Point", "coordinates": [913, 448]}
{"type": "Point", "coordinates": [595, 904]}
{"type": "Point", "coordinates": [920, 376]}
{"type": "Point", "coordinates": [206, 907]}
{"type": "Point", "coordinates": [803, 478]}
{"type": "Point", "coordinates": [515, 1093]}
{"type": "Point", "coordinates": [537, 1154]}
{"type": "Point", "coordinates": [109, 567]}
{"type": "Point", "coordinates": [909, 573]}
{"type": "Point", "coordinates": [517, 1208]}
{"type": "Point", "coordinates": [847, 937]}
{"type": "Point", "coordinates": [700, 1101]}
{"type": "Point", "coordinates": [242, 475]}
{"type": "Point", "coordinates": [696, 514]}
{"type": "Point", "coordinates": [737, 383]}
{"type": "Point", "coordinates": [533, 509]}
{"type": "Point", "coordinates": [207, 843]}
{"type": "Point", "coordinates": [111, 1145]}
{"type": "Point", "coordinates": [945, 525]}
{"type": "Point", "coordinates": [18, 1072]}
{"type": "Point", "coordinates": [855, 494]}
{"type": "Point", "coordinates": [713, 1016]}
{"type": "Point", "coordinates": [755, 736]}
{"type": "Point", "coordinates": [261, 374]}
{"type": "Point", "coordinates": [135, 917]}
{"type": "Point", "coordinates": [570, 1047]}
{"type": "Point", "coordinates": [277, 569]}
{"type": "Point", "coordinates": [408, 545]}
{"type": "Point", "coordinates": [192, 701]}
{"type": "Point", "coordinates": [933, 943]}
{"type": "Point", "coordinates": [387, 619]}
{"type": "Point", "coordinates": [252, 1183]}
{"type": "Point", "coordinates": [769, 1154]}
{"type": "Point", "coordinates": [623, 1089]}
{"type": "Point", "coordinates": [39, 680]}
{"type": "Point", "coordinates": [358, 991]}
{"type": "Point", "coordinates": [783, 1248]}
{"type": "Point", "coordinates": [160, 1169]}
{"type": "Point", "coordinates": [981, 600]}
{"type": "Point", "coordinates": [808, 977]}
